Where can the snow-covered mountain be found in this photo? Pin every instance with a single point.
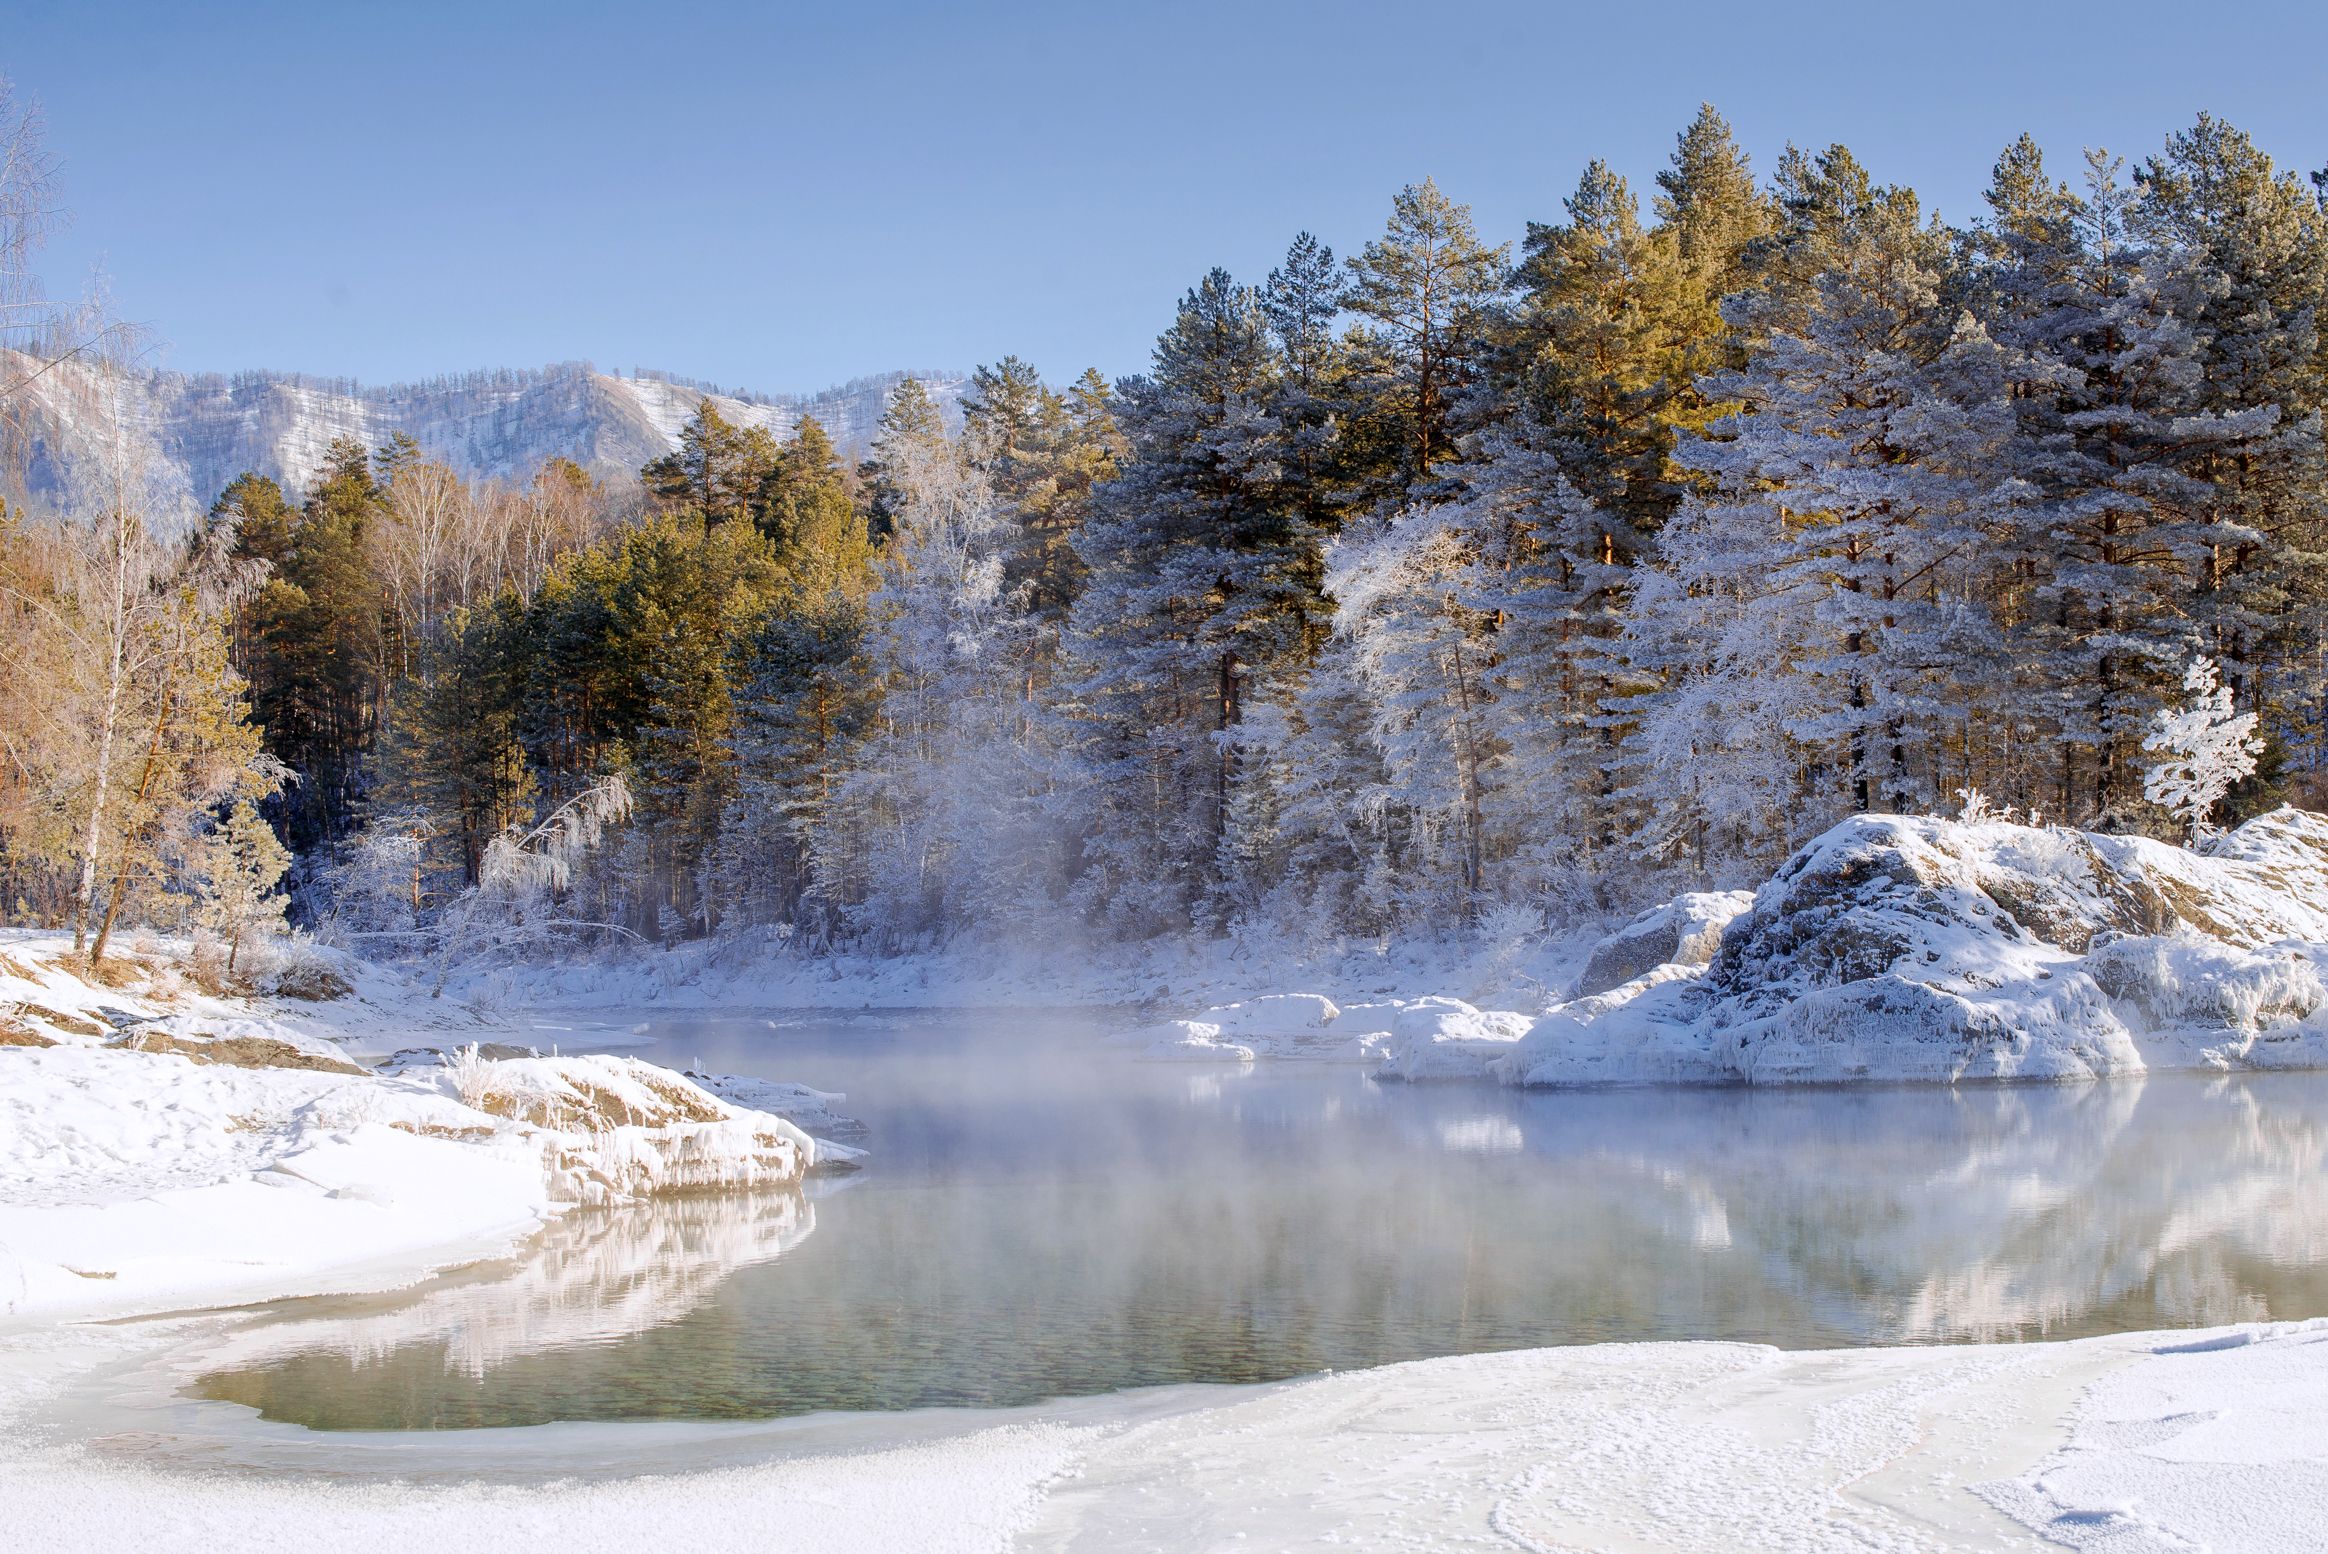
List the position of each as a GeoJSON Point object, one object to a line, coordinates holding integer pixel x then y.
{"type": "Point", "coordinates": [188, 435]}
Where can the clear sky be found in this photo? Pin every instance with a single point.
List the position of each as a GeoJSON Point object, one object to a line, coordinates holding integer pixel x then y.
{"type": "Point", "coordinates": [781, 197]}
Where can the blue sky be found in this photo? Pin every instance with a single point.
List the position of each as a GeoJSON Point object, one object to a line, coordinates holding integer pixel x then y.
{"type": "Point", "coordinates": [782, 197]}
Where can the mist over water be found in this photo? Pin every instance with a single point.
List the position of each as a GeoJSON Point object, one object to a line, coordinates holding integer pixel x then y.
{"type": "Point", "coordinates": [1045, 1217]}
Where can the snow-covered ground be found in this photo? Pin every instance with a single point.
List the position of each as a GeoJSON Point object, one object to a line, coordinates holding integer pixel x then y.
{"type": "Point", "coordinates": [161, 1147]}
{"type": "Point", "coordinates": [2132, 1444]}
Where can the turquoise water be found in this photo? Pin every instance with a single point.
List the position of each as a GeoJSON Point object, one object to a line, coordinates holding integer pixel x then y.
{"type": "Point", "coordinates": [1045, 1217]}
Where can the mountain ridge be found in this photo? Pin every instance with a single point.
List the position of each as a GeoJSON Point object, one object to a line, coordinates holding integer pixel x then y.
{"type": "Point", "coordinates": [185, 436]}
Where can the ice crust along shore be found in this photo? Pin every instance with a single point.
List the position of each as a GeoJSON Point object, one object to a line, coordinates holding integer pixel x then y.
{"type": "Point", "coordinates": [1890, 949]}
{"type": "Point", "coordinates": [2156, 1443]}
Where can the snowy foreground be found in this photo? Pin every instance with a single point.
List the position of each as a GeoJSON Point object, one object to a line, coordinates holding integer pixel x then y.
{"type": "Point", "coordinates": [1889, 949]}
{"type": "Point", "coordinates": [2133, 1444]}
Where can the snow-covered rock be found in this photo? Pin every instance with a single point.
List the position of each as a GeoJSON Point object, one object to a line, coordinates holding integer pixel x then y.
{"type": "Point", "coordinates": [1921, 949]}
{"type": "Point", "coordinates": [625, 1129]}
{"type": "Point", "coordinates": [241, 1043]}
{"type": "Point", "coordinates": [1641, 1032]}
{"type": "Point", "coordinates": [2229, 1005]}
{"type": "Point", "coordinates": [1274, 1014]}
{"type": "Point", "coordinates": [1913, 949]}
{"type": "Point", "coordinates": [1186, 1041]}
{"type": "Point", "coordinates": [1292, 1027]}
{"type": "Point", "coordinates": [1446, 1038]}
{"type": "Point", "coordinates": [811, 1111]}
{"type": "Point", "coordinates": [160, 1147]}
{"type": "Point", "coordinates": [1684, 932]}
{"type": "Point", "coordinates": [1299, 1026]}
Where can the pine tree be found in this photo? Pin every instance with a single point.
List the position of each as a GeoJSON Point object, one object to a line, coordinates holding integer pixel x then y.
{"type": "Point", "coordinates": [1594, 353]}
{"type": "Point", "coordinates": [1427, 289]}
{"type": "Point", "coordinates": [1859, 485]}
{"type": "Point", "coordinates": [1419, 658]}
{"type": "Point", "coordinates": [805, 509]}
{"type": "Point", "coordinates": [1709, 217]}
{"type": "Point", "coordinates": [1302, 301]}
{"type": "Point", "coordinates": [719, 469]}
{"type": "Point", "coordinates": [1002, 413]}
{"type": "Point", "coordinates": [804, 696]}
{"type": "Point", "coordinates": [934, 823]}
{"type": "Point", "coordinates": [239, 865]}
{"type": "Point", "coordinates": [1708, 201]}
{"type": "Point", "coordinates": [2249, 249]}
{"type": "Point", "coordinates": [452, 752]}
{"type": "Point", "coordinates": [314, 645]}
{"type": "Point", "coordinates": [2111, 430]}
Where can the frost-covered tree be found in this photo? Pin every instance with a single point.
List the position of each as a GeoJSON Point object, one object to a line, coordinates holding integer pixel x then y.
{"type": "Point", "coordinates": [2114, 439]}
{"type": "Point", "coordinates": [1417, 654]}
{"type": "Point", "coordinates": [238, 866]}
{"type": "Point", "coordinates": [934, 823]}
{"type": "Point", "coordinates": [1846, 537]}
{"type": "Point", "coordinates": [1546, 576]}
{"type": "Point", "coordinates": [804, 694]}
{"type": "Point", "coordinates": [910, 422]}
{"type": "Point", "coordinates": [1203, 581]}
{"type": "Point", "coordinates": [2198, 750]}
{"type": "Point", "coordinates": [2248, 246]}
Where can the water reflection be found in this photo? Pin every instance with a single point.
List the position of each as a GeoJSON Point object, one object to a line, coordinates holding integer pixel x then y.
{"type": "Point", "coordinates": [1041, 1222]}
{"type": "Point", "coordinates": [587, 1282]}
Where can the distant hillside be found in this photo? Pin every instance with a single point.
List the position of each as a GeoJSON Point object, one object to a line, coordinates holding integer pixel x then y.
{"type": "Point", "coordinates": [192, 434]}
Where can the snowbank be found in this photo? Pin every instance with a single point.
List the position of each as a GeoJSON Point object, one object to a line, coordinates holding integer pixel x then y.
{"type": "Point", "coordinates": [163, 1148]}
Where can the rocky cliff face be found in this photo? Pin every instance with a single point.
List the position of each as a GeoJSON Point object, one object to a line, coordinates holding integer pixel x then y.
{"type": "Point", "coordinates": [187, 436]}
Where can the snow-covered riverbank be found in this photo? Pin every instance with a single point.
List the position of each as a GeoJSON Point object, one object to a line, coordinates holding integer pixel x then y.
{"type": "Point", "coordinates": [161, 1147]}
{"type": "Point", "coordinates": [1890, 949]}
{"type": "Point", "coordinates": [2157, 1443]}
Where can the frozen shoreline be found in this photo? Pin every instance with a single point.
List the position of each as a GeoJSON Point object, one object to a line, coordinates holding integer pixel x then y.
{"type": "Point", "coordinates": [2147, 1443]}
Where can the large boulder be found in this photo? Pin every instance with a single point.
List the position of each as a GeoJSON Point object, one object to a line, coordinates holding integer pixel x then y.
{"type": "Point", "coordinates": [2216, 1005]}
{"type": "Point", "coordinates": [1273, 1015]}
{"type": "Point", "coordinates": [1898, 948]}
{"type": "Point", "coordinates": [1644, 1031]}
{"type": "Point", "coordinates": [1911, 949]}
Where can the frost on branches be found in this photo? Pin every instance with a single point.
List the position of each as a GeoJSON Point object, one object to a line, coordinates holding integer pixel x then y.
{"type": "Point", "coordinates": [2200, 750]}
